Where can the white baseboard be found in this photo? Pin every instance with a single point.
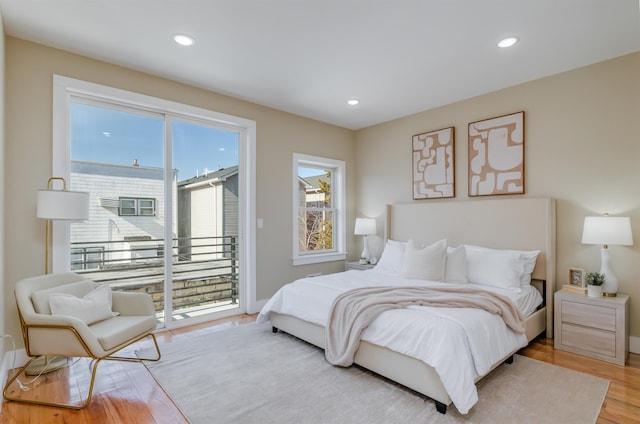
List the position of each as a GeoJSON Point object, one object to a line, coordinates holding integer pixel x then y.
{"type": "Point", "coordinates": [634, 344]}
{"type": "Point", "coordinates": [257, 306]}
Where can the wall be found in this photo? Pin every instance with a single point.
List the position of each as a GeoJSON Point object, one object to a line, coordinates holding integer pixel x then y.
{"type": "Point", "coordinates": [581, 147]}
{"type": "Point", "coordinates": [29, 72]}
{"type": "Point", "coordinates": [2, 196]}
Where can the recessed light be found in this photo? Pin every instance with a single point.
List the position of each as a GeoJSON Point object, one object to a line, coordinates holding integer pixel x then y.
{"type": "Point", "coordinates": [507, 42]}
{"type": "Point", "coordinates": [183, 40]}
{"type": "Point", "coordinates": [353, 102]}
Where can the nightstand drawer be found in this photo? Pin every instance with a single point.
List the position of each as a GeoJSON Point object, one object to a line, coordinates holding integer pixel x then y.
{"type": "Point", "coordinates": [601, 317]}
{"type": "Point", "coordinates": [589, 339]}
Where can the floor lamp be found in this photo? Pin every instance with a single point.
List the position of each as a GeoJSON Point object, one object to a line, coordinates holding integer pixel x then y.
{"type": "Point", "coordinates": [57, 205]}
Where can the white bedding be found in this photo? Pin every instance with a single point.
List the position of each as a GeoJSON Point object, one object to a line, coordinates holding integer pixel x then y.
{"type": "Point", "coordinates": [478, 338]}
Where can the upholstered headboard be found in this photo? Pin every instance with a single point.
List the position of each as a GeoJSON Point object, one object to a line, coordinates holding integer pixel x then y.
{"type": "Point", "coordinates": [503, 223]}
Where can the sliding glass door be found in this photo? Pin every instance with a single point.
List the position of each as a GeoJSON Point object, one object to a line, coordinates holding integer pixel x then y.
{"type": "Point", "coordinates": [205, 267]}
{"type": "Point", "coordinates": [165, 206]}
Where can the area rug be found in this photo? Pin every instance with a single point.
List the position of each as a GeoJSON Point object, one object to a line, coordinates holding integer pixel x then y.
{"type": "Point", "coordinates": [247, 374]}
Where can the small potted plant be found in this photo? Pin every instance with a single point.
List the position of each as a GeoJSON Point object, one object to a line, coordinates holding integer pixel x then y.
{"type": "Point", "coordinates": [594, 281]}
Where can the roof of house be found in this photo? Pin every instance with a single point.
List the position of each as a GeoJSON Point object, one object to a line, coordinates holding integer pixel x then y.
{"type": "Point", "coordinates": [213, 177]}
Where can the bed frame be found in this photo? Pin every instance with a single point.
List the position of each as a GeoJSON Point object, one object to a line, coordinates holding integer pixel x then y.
{"type": "Point", "coordinates": [514, 223]}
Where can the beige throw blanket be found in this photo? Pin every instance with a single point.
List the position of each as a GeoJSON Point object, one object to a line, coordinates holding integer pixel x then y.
{"type": "Point", "coordinates": [353, 311]}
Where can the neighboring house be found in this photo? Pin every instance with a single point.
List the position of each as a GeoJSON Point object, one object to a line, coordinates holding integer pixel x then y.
{"type": "Point", "coordinates": [315, 236]}
{"type": "Point", "coordinates": [315, 195]}
{"type": "Point", "coordinates": [126, 214]}
{"type": "Point", "coordinates": [208, 214]}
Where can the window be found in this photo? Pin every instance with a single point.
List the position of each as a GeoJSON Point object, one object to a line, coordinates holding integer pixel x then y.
{"type": "Point", "coordinates": [319, 215]}
{"type": "Point", "coordinates": [137, 207]}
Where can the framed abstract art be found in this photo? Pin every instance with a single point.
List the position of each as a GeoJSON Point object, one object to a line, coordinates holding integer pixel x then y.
{"type": "Point", "coordinates": [433, 164]}
{"type": "Point", "coordinates": [496, 155]}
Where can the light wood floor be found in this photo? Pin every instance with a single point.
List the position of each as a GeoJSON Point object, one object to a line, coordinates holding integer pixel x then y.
{"type": "Point", "coordinates": [126, 393]}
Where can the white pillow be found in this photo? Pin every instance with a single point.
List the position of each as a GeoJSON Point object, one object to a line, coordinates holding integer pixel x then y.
{"type": "Point", "coordinates": [497, 269]}
{"type": "Point", "coordinates": [392, 257]}
{"type": "Point", "coordinates": [455, 270]}
{"type": "Point", "coordinates": [93, 307]}
{"type": "Point", "coordinates": [425, 263]}
{"type": "Point", "coordinates": [40, 298]}
{"type": "Point", "coordinates": [525, 260]}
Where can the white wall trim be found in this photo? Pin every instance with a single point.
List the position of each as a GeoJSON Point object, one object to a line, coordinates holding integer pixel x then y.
{"type": "Point", "coordinates": [338, 195]}
{"type": "Point", "coordinates": [64, 88]}
{"type": "Point", "coordinates": [259, 304]}
{"type": "Point", "coordinates": [634, 344]}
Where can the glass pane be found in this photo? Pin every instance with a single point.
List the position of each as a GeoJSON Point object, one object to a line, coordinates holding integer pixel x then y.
{"type": "Point", "coordinates": [205, 267]}
{"type": "Point", "coordinates": [315, 231]}
{"type": "Point", "coordinates": [127, 207]}
{"type": "Point", "coordinates": [315, 187]}
{"type": "Point", "coordinates": [118, 157]}
{"type": "Point", "coordinates": [146, 207]}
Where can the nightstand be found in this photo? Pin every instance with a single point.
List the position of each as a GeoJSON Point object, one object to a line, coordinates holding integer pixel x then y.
{"type": "Point", "coordinates": [358, 266]}
{"type": "Point", "coordinates": [597, 327]}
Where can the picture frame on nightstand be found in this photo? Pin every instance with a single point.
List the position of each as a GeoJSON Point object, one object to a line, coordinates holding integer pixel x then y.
{"type": "Point", "coordinates": [575, 281]}
{"type": "Point", "coordinates": [575, 278]}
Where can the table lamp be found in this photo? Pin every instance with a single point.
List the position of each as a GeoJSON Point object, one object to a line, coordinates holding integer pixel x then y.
{"type": "Point", "coordinates": [607, 230]}
{"type": "Point", "coordinates": [365, 227]}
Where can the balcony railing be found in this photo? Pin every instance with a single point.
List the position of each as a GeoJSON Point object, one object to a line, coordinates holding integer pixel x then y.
{"type": "Point", "coordinates": [204, 269]}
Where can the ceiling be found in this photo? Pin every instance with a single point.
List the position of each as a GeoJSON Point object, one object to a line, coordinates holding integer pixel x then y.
{"type": "Point", "coordinates": [308, 57]}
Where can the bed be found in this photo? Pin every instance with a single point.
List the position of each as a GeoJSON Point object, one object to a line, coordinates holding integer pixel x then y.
{"type": "Point", "coordinates": [520, 224]}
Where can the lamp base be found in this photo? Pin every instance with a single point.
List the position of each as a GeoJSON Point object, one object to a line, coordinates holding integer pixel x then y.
{"type": "Point", "coordinates": [46, 364]}
{"type": "Point", "coordinates": [365, 255]}
{"type": "Point", "coordinates": [610, 287]}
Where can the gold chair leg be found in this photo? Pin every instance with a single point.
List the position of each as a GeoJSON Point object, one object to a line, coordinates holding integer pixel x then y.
{"type": "Point", "coordinates": [130, 359]}
{"type": "Point", "coordinates": [5, 392]}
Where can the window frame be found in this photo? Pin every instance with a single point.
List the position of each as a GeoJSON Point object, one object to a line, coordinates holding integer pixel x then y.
{"type": "Point", "coordinates": [137, 208]}
{"type": "Point", "coordinates": [338, 190]}
{"type": "Point", "coordinates": [66, 90]}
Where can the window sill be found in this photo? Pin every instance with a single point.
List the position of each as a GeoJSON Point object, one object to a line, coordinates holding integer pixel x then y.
{"type": "Point", "coordinates": [314, 259]}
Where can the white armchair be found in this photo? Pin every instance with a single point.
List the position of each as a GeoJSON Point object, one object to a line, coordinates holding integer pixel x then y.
{"type": "Point", "coordinates": [47, 334]}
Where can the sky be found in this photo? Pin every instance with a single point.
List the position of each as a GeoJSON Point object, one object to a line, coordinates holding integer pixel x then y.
{"type": "Point", "coordinates": [116, 137]}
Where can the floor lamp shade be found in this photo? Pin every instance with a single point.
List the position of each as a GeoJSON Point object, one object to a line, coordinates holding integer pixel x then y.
{"type": "Point", "coordinates": [607, 230]}
{"type": "Point", "coordinates": [63, 205]}
{"type": "Point", "coordinates": [60, 205]}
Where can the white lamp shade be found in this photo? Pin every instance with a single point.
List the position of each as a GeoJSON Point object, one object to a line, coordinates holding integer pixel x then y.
{"type": "Point", "coordinates": [63, 205]}
{"type": "Point", "coordinates": [365, 226]}
{"type": "Point", "coordinates": [605, 230]}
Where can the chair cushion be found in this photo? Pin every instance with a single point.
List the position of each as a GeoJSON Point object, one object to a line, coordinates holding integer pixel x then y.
{"type": "Point", "coordinates": [118, 330]}
{"type": "Point", "coordinates": [93, 307]}
{"type": "Point", "coordinates": [40, 298]}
